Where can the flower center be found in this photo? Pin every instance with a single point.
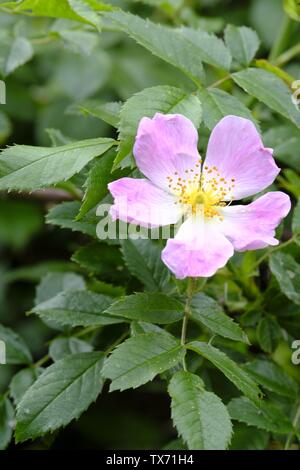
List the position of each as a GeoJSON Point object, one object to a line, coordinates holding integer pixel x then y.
{"type": "Point", "coordinates": [208, 201]}
{"type": "Point", "coordinates": [204, 192]}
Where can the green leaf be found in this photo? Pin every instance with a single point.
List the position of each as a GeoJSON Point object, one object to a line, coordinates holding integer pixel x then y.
{"type": "Point", "coordinates": [99, 176]}
{"type": "Point", "coordinates": [64, 346]}
{"type": "Point", "coordinates": [217, 104]}
{"type": "Point", "coordinates": [54, 283]}
{"type": "Point", "coordinates": [140, 327]}
{"type": "Point", "coordinates": [16, 350]}
{"type": "Point", "coordinates": [5, 125]}
{"type": "Point", "coordinates": [285, 140]}
{"type": "Point", "coordinates": [200, 417]}
{"type": "Point", "coordinates": [296, 219]}
{"type": "Point", "coordinates": [142, 257]}
{"type": "Point", "coordinates": [175, 444]}
{"type": "Point", "coordinates": [266, 416]}
{"type": "Point", "coordinates": [6, 422]}
{"type": "Point", "coordinates": [21, 382]}
{"type": "Point", "coordinates": [140, 358]}
{"type": "Point", "coordinates": [98, 258]}
{"type": "Point", "coordinates": [207, 311]}
{"type": "Point", "coordinates": [148, 307]}
{"type": "Point", "coordinates": [248, 438]}
{"type": "Point", "coordinates": [268, 334]}
{"type": "Point", "coordinates": [107, 112]}
{"type": "Point", "coordinates": [64, 216]}
{"type": "Point", "coordinates": [78, 41]}
{"type": "Point", "coordinates": [168, 5]}
{"type": "Point", "coordinates": [20, 52]}
{"type": "Point", "coordinates": [19, 222]}
{"type": "Point", "coordinates": [243, 43]}
{"type": "Point", "coordinates": [270, 90]}
{"type": "Point", "coordinates": [292, 8]}
{"type": "Point", "coordinates": [163, 99]}
{"type": "Point", "coordinates": [211, 49]}
{"type": "Point", "coordinates": [59, 395]}
{"type": "Point", "coordinates": [105, 288]}
{"type": "Point", "coordinates": [270, 376]}
{"type": "Point", "coordinates": [77, 308]}
{"type": "Point", "coordinates": [35, 272]}
{"type": "Point", "coordinates": [166, 43]}
{"type": "Point", "coordinates": [287, 273]}
{"type": "Point", "coordinates": [24, 167]}
{"type": "Point", "coordinates": [229, 368]}
{"type": "Point", "coordinates": [77, 10]}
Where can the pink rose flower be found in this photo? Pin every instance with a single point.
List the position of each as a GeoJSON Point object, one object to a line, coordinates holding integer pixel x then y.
{"type": "Point", "coordinates": [237, 165]}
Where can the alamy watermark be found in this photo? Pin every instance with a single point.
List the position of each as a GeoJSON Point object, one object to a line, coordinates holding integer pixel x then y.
{"type": "Point", "coordinates": [296, 354]}
{"type": "Point", "coordinates": [296, 95]}
{"type": "Point", "coordinates": [154, 221]}
{"type": "Point", "coordinates": [2, 92]}
{"type": "Point", "coordinates": [2, 352]}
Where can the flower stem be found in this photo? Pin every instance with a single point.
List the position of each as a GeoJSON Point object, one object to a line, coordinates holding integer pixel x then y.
{"type": "Point", "coordinates": [276, 248]}
{"type": "Point", "coordinates": [291, 435]}
{"type": "Point", "coordinates": [220, 81]}
{"type": "Point", "coordinates": [288, 55]}
{"type": "Point", "coordinates": [187, 311]}
{"type": "Point", "coordinates": [282, 38]}
{"type": "Point", "coordinates": [42, 361]}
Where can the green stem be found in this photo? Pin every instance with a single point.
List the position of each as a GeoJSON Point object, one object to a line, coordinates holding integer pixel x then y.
{"type": "Point", "coordinates": [282, 38]}
{"type": "Point", "coordinates": [187, 312]}
{"type": "Point", "coordinates": [42, 361]}
{"type": "Point", "coordinates": [87, 330]}
{"type": "Point", "coordinates": [288, 55]}
{"type": "Point", "coordinates": [291, 435]}
{"type": "Point", "coordinates": [276, 248]}
{"type": "Point", "coordinates": [220, 82]}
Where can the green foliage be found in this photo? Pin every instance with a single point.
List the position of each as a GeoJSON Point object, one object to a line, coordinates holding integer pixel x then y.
{"type": "Point", "coordinates": [66, 346]}
{"type": "Point", "coordinates": [21, 51]}
{"type": "Point", "coordinates": [76, 308]}
{"type": "Point", "coordinates": [217, 104]}
{"type": "Point", "coordinates": [17, 351]}
{"type": "Point", "coordinates": [60, 394]}
{"type": "Point", "coordinates": [22, 381]}
{"type": "Point", "coordinates": [128, 368]}
{"type": "Point", "coordinates": [287, 272]}
{"type": "Point", "coordinates": [169, 45]}
{"type": "Point", "coordinates": [270, 376]}
{"type": "Point", "coordinates": [64, 215]}
{"type": "Point", "coordinates": [292, 8]}
{"type": "Point", "coordinates": [98, 178]}
{"type": "Point", "coordinates": [265, 416]}
{"type": "Point", "coordinates": [270, 89]}
{"type": "Point", "coordinates": [19, 222]}
{"type": "Point", "coordinates": [200, 416]}
{"type": "Point", "coordinates": [208, 312]}
{"type": "Point", "coordinates": [243, 43]}
{"type": "Point", "coordinates": [153, 308]}
{"type": "Point", "coordinates": [229, 368]}
{"type": "Point", "coordinates": [6, 422]}
{"type": "Point", "coordinates": [142, 257]}
{"type": "Point", "coordinates": [25, 167]}
{"type": "Point", "coordinates": [80, 75]}
{"type": "Point", "coordinates": [268, 334]}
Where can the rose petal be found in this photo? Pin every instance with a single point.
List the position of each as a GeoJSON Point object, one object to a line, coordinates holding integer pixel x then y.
{"type": "Point", "coordinates": [166, 147]}
{"type": "Point", "coordinates": [198, 250]}
{"type": "Point", "coordinates": [236, 150]}
{"type": "Point", "coordinates": [139, 201]}
{"type": "Point", "coordinates": [253, 226]}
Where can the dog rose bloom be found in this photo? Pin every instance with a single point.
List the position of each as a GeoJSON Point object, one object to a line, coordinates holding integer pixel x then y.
{"type": "Point", "coordinates": [178, 186]}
